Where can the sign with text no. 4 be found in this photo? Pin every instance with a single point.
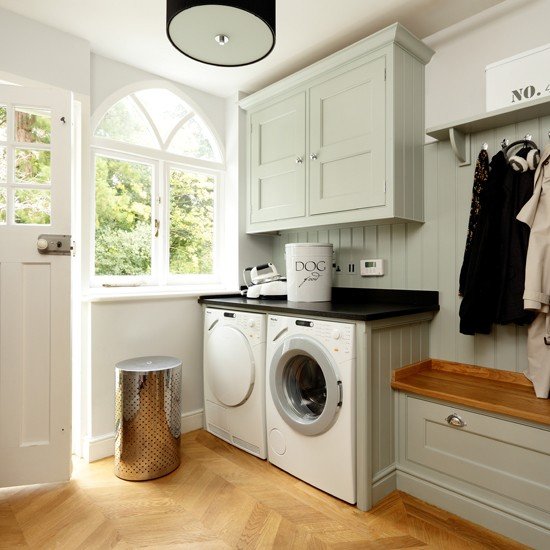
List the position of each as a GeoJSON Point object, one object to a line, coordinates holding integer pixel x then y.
{"type": "Point", "coordinates": [519, 79]}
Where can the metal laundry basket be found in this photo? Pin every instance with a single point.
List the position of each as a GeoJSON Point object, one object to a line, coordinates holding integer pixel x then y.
{"type": "Point", "coordinates": [148, 417]}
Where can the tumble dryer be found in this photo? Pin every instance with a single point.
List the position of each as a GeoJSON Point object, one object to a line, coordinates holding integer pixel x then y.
{"type": "Point", "coordinates": [234, 378]}
{"type": "Point", "coordinates": [310, 402]}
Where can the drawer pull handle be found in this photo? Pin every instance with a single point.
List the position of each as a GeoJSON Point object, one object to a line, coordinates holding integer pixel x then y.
{"type": "Point", "coordinates": [455, 420]}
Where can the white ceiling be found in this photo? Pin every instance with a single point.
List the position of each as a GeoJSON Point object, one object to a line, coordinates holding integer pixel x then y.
{"type": "Point", "coordinates": [133, 31]}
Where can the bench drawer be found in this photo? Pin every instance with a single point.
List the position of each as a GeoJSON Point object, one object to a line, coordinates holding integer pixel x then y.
{"type": "Point", "coordinates": [506, 457]}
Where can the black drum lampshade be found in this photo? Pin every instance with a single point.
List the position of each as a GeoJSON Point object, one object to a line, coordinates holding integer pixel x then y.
{"type": "Point", "coordinates": [226, 34]}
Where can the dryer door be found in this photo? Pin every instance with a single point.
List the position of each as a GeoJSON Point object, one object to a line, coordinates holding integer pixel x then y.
{"type": "Point", "coordinates": [230, 367]}
{"type": "Point", "coordinates": [305, 386]}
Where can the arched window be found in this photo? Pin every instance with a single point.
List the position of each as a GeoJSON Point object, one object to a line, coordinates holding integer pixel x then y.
{"type": "Point", "coordinates": [157, 173]}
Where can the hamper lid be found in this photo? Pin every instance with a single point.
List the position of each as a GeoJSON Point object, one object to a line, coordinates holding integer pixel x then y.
{"type": "Point", "coordinates": [149, 363]}
{"type": "Point", "coordinates": [307, 245]}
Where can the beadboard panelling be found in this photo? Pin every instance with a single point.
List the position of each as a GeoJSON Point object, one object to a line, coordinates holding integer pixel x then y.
{"type": "Point", "coordinates": [408, 120]}
{"type": "Point", "coordinates": [429, 256]}
{"type": "Point", "coordinates": [391, 348]}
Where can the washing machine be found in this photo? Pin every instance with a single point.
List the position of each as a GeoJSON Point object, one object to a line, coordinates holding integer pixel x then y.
{"type": "Point", "coordinates": [234, 378]}
{"type": "Point", "coordinates": [310, 402]}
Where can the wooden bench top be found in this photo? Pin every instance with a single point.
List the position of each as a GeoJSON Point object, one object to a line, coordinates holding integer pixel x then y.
{"type": "Point", "coordinates": [498, 391]}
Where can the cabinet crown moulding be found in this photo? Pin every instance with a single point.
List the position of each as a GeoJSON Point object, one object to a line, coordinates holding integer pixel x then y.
{"type": "Point", "coordinates": [394, 34]}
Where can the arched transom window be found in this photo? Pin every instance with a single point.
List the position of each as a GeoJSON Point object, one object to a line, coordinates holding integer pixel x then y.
{"type": "Point", "coordinates": [157, 172]}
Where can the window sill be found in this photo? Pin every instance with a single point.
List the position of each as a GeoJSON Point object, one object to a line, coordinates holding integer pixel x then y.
{"type": "Point", "coordinates": [121, 294]}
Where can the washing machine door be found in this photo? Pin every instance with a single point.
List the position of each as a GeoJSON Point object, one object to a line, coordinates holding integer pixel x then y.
{"type": "Point", "coordinates": [230, 367]}
{"type": "Point", "coordinates": [304, 385]}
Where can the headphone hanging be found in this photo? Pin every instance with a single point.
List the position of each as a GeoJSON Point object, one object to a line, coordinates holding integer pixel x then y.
{"type": "Point", "coordinates": [517, 162]}
{"type": "Point", "coordinates": [533, 159]}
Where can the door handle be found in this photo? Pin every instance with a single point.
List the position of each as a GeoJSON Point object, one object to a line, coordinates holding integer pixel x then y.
{"type": "Point", "coordinates": [340, 394]}
{"type": "Point", "coordinates": [157, 228]}
{"type": "Point", "coordinates": [57, 245]}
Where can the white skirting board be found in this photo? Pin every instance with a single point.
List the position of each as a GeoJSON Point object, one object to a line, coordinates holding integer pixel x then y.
{"type": "Point", "coordinates": [477, 512]}
{"type": "Point", "coordinates": [96, 448]}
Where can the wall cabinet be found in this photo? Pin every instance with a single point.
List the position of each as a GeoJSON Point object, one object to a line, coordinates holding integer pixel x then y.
{"type": "Point", "coordinates": [277, 149]}
{"type": "Point", "coordinates": [340, 142]}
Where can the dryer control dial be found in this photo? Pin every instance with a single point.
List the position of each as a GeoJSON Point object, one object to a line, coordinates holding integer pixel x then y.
{"type": "Point", "coordinates": [336, 334]}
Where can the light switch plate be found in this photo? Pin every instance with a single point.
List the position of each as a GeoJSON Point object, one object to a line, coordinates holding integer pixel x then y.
{"type": "Point", "coordinates": [372, 268]}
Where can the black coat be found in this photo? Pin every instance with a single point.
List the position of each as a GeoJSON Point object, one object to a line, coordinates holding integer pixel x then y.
{"type": "Point", "coordinates": [517, 189]}
{"type": "Point", "coordinates": [494, 282]}
{"type": "Point", "coordinates": [480, 288]}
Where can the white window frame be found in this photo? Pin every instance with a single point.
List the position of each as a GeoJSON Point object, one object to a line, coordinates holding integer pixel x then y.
{"type": "Point", "coordinates": [213, 278]}
{"type": "Point", "coordinates": [162, 162]}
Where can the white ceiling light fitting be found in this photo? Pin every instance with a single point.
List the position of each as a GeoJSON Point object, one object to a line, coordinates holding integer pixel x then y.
{"type": "Point", "coordinates": [226, 34]}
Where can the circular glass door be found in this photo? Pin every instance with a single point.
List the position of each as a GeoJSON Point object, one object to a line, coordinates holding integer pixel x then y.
{"type": "Point", "coordinates": [230, 367]}
{"type": "Point", "coordinates": [304, 385]}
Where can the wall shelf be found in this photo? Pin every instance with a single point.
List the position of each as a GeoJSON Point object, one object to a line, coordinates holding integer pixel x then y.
{"type": "Point", "coordinates": [458, 132]}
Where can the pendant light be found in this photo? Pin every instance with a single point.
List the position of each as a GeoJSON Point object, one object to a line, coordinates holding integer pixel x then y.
{"type": "Point", "coordinates": [226, 34]}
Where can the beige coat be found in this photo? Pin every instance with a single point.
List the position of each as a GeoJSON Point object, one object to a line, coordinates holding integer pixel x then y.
{"type": "Point", "coordinates": [536, 214]}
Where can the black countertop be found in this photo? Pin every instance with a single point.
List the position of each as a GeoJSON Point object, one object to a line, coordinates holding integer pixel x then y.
{"type": "Point", "coordinates": [358, 304]}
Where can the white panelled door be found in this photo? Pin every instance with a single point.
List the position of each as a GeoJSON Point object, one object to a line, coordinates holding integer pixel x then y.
{"type": "Point", "coordinates": [35, 358]}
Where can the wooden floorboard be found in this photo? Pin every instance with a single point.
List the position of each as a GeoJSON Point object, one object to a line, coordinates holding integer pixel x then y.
{"type": "Point", "coordinates": [220, 497]}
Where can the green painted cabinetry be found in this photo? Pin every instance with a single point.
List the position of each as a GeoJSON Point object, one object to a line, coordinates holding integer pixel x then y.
{"type": "Point", "coordinates": [340, 142]}
{"type": "Point", "coordinates": [487, 468]}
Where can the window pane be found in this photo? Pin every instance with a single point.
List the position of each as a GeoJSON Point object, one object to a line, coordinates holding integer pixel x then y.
{"type": "Point", "coordinates": [32, 206]}
{"type": "Point", "coordinates": [33, 125]}
{"type": "Point", "coordinates": [3, 164]}
{"type": "Point", "coordinates": [191, 223]}
{"type": "Point", "coordinates": [125, 122]}
{"type": "Point", "coordinates": [3, 202]}
{"type": "Point", "coordinates": [192, 140]}
{"type": "Point", "coordinates": [3, 123]}
{"type": "Point", "coordinates": [32, 166]}
{"type": "Point", "coordinates": [165, 109]}
{"type": "Point", "coordinates": [123, 217]}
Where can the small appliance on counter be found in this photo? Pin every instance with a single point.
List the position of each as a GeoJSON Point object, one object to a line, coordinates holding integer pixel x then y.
{"type": "Point", "coordinates": [264, 282]}
{"type": "Point", "coordinates": [309, 271]}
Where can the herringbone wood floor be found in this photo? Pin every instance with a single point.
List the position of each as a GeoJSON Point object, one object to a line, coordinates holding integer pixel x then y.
{"type": "Point", "coordinates": [220, 497]}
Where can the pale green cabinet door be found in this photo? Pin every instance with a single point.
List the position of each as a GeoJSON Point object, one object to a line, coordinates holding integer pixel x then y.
{"type": "Point", "coordinates": [277, 171]}
{"type": "Point", "coordinates": [347, 161]}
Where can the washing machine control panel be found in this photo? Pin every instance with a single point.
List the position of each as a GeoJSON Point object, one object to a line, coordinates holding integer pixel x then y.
{"type": "Point", "coordinates": [338, 338]}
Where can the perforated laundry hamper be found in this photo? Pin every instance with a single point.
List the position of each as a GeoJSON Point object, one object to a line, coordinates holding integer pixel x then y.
{"type": "Point", "coordinates": [147, 417]}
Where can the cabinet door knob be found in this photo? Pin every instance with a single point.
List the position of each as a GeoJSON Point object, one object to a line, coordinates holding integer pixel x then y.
{"type": "Point", "coordinates": [455, 420]}
{"type": "Point", "coordinates": [313, 156]}
{"type": "Point", "coordinates": [299, 160]}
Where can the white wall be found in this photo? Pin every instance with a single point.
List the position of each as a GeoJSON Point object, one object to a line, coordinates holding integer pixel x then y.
{"type": "Point", "coordinates": [170, 326]}
{"type": "Point", "coordinates": [43, 54]}
{"type": "Point", "coordinates": [455, 77]}
{"type": "Point", "coordinates": [109, 76]}
{"type": "Point", "coordinates": [120, 330]}
{"type": "Point", "coordinates": [253, 249]}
